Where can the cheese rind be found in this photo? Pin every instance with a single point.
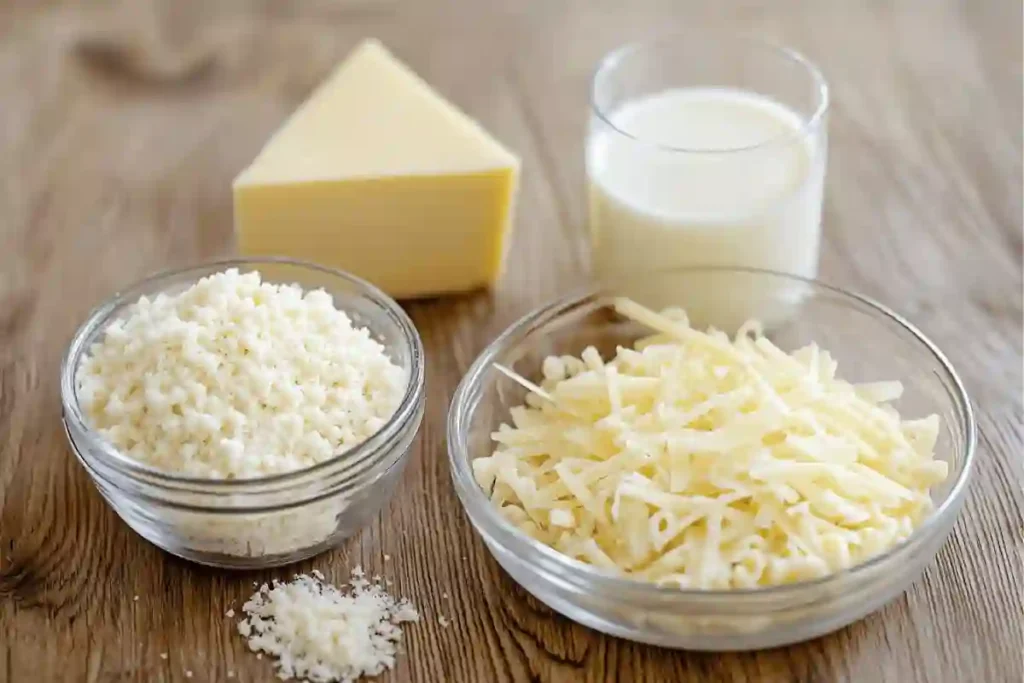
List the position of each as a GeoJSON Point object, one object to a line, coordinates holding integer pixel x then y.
{"type": "Point", "coordinates": [377, 175]}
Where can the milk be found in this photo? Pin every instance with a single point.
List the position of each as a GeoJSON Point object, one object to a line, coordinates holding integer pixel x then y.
{"type": "Point", "coordinates": [705, 176]}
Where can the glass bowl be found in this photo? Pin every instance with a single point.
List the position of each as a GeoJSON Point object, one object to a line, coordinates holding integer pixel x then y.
{"type": "Point", "coordinates": [266, 521]}
{"type": "Point", "coordinates": [869, 341]}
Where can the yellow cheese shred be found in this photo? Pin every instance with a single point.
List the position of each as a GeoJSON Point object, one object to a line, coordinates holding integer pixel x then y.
{"type": "Point", "coordinates": [700, 461]}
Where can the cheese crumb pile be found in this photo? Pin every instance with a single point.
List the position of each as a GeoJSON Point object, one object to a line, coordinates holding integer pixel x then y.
{"type": "Point", "coordinates": [703, 462]}
{"type": "Point", "coordinates": [322, 635]}
{"type": "Point", "coordinates": [237, 378]}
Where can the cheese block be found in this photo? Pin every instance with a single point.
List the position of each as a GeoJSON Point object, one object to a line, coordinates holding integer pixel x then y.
{"type": "Point", "coordinates": [378, 175]}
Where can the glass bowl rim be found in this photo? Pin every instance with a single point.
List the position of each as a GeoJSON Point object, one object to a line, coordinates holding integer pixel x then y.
{"type": "Point", "coordinates": [362, 454]}
{"type": "Point", "coordinates": [616, 56]}
{"type": "Point", "coordinates": [483, 513]}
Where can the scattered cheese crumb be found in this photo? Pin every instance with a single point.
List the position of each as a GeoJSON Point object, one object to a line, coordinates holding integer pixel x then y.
{"type": "Point", "coordinates": [231, 674]}
{"type": "Point", "coordinates": [188, 674]}
{"type": "Point", "coordinates": [235, 377]}
{"type": "Point", "coordinates": [230, 613]}
{"type": "Point", "coordinates": [444, 595]}
{"type": "Point", "coordinates": [135, 599]}
{"type": "Point", "coordinates": [387, 557]}
{"type": "Point", "coordinates": [321, 634]}
{"type": "Point", "coordinates": [443, 621]}
{"type": "Point", "coordinates": [703, 462]}
{"type": "Point", "coordinates": [163, 655]}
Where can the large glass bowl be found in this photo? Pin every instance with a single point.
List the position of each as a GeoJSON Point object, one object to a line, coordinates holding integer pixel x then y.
{"type": "Point", "coordinates": [266, 521]}
{"type": "Point", "coordinates": [869, 341]}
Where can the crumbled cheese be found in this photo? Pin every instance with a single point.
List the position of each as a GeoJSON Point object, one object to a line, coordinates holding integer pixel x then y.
{"type": "Point", "coordinates": [443, 620]}
{"type": "Point", "coordinates": [702, 462]}
{"type": "Point", "coordinates": [235, 377]}
{"type": "Point", "coordinates": [320, 634]}
{"type": "Point", "coordinates": [188, 674]}
{"type": "Point", "coordinates": [163, 655]}
{"type": "Point", "coordinates": [230, 614]}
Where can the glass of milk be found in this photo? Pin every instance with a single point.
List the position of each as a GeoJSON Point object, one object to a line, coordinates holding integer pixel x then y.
{"type": "Point", "coordinates": [705, 150]}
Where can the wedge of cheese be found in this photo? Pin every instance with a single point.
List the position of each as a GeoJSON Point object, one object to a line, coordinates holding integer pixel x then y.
{"type": "Point", "coordinates": [378, 175]}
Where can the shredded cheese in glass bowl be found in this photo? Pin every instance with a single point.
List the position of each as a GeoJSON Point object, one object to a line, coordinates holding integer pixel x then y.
{"type": "Point", "coordinates": [701, 461]}
{"type": "Point", "coordinates": [712, 489]}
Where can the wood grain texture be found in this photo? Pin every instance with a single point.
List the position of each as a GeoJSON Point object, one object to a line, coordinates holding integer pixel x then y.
{"type": "Point", "coordinates": [121, 127]}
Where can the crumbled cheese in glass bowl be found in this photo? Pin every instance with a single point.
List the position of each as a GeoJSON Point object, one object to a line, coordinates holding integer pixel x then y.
{"type": "Point", "coordinates": [246, 413]}
{"type": "Point", "coordinates": [628, 504]}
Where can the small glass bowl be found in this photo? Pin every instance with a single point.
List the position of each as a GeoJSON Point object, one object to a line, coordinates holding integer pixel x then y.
{"type": "Point", "coordinates": [869, 341]}
{"type": "Point", "coordinates": [266, 521]}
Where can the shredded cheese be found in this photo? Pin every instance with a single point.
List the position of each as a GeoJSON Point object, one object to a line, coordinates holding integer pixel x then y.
{"type": "Point", "coordinates": [705, 462]}
{"type": "Point", "coordinates": [324, 635]}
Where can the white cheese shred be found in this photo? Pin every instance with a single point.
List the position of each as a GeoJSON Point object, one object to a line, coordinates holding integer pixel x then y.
{"type": "Point", "coordinates": [323, 634]}
{"type": "Point", "coordinates": [700, 461]}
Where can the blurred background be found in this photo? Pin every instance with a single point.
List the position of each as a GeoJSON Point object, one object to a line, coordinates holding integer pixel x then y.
{"type": "Point", "coordinates": [122, 125]}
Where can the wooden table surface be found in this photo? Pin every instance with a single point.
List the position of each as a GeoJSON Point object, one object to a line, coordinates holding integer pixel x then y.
{"type": "Point", "coordinates": [121, 129]}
